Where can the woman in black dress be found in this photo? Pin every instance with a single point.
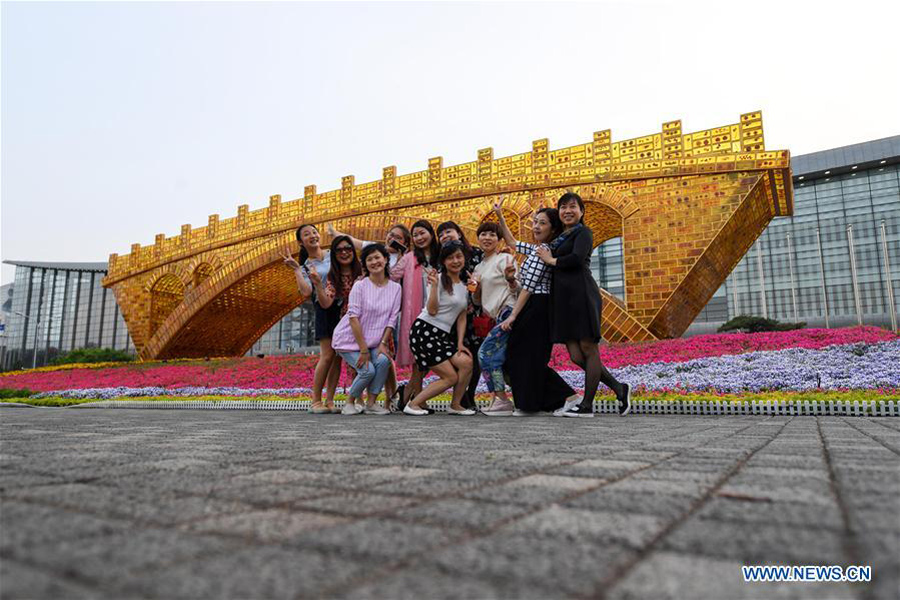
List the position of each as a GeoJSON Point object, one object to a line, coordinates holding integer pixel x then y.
{"type": "Point", "coordinates": [535, 385]}
{"type": "Point", "coordinates": [575, 307]}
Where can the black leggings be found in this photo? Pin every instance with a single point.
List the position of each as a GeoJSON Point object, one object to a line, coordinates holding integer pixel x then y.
{"type": "Point", "coordinates": [586, 355]}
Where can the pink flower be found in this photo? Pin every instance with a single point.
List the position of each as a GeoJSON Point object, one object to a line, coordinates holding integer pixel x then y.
{"type": "Point", "coordinates": [297, 371]}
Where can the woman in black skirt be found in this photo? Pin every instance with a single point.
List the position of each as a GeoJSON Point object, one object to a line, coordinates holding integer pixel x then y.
{"type": "Point", "coordinates": [536, 387]}
{"type": "Point", "coordinates": [575, 307]}
{"type": "Point", "coordinates": [437, 335]}
{"type": "Point", "coordinates": [447, 232]}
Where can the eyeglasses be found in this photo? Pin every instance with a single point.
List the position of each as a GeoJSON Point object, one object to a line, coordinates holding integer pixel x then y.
{"type": "Point", "coordinates": [343, 249]}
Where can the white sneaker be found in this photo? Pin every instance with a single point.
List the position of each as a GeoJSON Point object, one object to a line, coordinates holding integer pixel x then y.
{"type": "Point", "coordinates": [466, 412]}
{"type": "Point", "coordinates": [416, 412]}
{"type": "Point", "coordinates": [499, 408]}
{"type": "Point", "coordinates": [569, 405]}
{"type": "Point", "coordinates": [376, 409]}
{"type": "Point", "coordinates": [351, 408]}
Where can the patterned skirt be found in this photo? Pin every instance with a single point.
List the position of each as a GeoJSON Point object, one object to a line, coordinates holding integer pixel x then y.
{"type": "Point", "coordinates": [430, 346]}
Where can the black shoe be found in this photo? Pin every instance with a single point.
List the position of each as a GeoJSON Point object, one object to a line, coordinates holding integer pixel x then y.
{"type": "Point", "coordinates": [400, 393]}
{"type": "Point", "coordinates": [625, 400]}
{"type": "Point", "coordinates": [580, 411]}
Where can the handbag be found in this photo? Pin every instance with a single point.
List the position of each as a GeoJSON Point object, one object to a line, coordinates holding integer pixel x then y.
{"type": "Point", "coordinates": [482, 325]}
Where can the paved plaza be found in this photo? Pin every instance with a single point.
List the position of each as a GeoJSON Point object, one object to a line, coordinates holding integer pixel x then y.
{"type": "Point", "coordinates": [253, 504]}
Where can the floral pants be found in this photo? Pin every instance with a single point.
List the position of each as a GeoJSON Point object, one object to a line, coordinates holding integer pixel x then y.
{"type": "Point", "coordinates": [492, 354]}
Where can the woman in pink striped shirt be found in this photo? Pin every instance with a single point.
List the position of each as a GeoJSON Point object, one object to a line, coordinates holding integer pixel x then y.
{"type": "Point", "coordinates": [362, 337]}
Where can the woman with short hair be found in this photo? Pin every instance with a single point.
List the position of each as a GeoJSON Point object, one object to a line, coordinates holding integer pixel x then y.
{"type": "Point", "coordinates": [496, 290]}
{"type": "Point", "coordinates": [363, 336]}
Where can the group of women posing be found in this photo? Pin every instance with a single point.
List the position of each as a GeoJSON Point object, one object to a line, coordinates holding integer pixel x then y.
{"type": "Point", "coordinates": [430, 300]}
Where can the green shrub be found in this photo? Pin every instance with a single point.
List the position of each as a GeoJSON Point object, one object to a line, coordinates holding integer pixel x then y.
{"type": "Point", "coordinates": [92, 355]}
{"type": "Point", "coordinates": [751, 324]}
{"type": "Point", "coordinates": [13, 393]}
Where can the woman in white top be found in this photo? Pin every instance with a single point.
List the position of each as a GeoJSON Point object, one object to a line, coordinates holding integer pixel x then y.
{"type": "Point", "coordinates": [437, 335]}
{"type": "Point", "coordinates": [311, 271]}
{"type": "Point", "coordinates": [496, 292]}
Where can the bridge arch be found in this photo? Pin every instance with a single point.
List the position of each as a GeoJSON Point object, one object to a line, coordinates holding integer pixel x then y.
{"type": "Point", "coordinates": [166, 293]}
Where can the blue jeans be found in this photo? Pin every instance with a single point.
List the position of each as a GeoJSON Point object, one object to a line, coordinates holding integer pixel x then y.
{"type": "Point", "coordinates": [492, 354]}
{"type": "Point", "coordinates": [371, 376]}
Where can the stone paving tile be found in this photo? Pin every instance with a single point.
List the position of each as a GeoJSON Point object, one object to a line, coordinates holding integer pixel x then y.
{"type": "Point", "coordinates": [757, 543]}
{"type": "Point", "coordinates": [21, 581]}
{"type": "Point", "coordinates": [668, 506]}
{"type": "Point", "coordinates": [631, 530]}
{"type": "Point", "coordinates": [10, 480]}
{"type": "Point", "coordinates": [434, 584]}
{"type": "Point", "coordinates": [266, 572]}
{"type": "Point", "coordinates": [660, 486]}
{"type": "Point", "coordinates": [676, 576]}
{"type": "Point", "coordinates": [356, 504]}
{"type": "Point", "coordinates": [824, 514]}
{"type": "Point", "coordinates": [23, 524]}
{"type": "Point", "coordinates": [271, 495]}
{"type": "Point", "coordinates": [266, 525]}
{"type": "Point", "coordinates": [119, 503]}
{"type": "Point", "coordinates": [571, 565]}
{"type": "Point", "coordinates": [816, 493]}
{"type": "Point", "coordinates": [534, 490]}
{"type": "Point", "coordinates": [433, 486]}
{"type": "Point", "coordinates": [375, 539]}
{"type": "Point", "coordinates": [107, 559]}
{"type": "Point", "coordinates": [459, 513]}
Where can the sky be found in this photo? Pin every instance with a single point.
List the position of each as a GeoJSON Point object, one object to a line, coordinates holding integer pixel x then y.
{"type": "Point", "coordinates": [121, 120]}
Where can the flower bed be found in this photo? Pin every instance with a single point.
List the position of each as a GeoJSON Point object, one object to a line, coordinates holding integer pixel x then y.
{"type": "Point", "coordinates": [719, 367]}
{"type": "Point", "coordinates": [707, 346]}
{"type": "Point", "coordinates": [645, 395]}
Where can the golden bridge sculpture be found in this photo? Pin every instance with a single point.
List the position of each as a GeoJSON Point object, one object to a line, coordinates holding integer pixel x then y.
{"type": "Point", "coordinates": [687, 207]}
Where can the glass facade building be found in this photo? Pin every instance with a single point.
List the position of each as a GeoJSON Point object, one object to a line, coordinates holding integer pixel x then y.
{"type": "Point", "coordinates": [295, 332]}
{"type": "Point", "coordinates": [58, 307]}
{"type": "Point", "coordinates": [836, 262]}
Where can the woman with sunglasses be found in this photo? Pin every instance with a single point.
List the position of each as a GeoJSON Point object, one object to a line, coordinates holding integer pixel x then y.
{"type": "Point", "coordinates": [575, 307]}
{"type": "Point", "coordinates": [397, 241]}
{"type": "Point", "coordinates": [311, 270]}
